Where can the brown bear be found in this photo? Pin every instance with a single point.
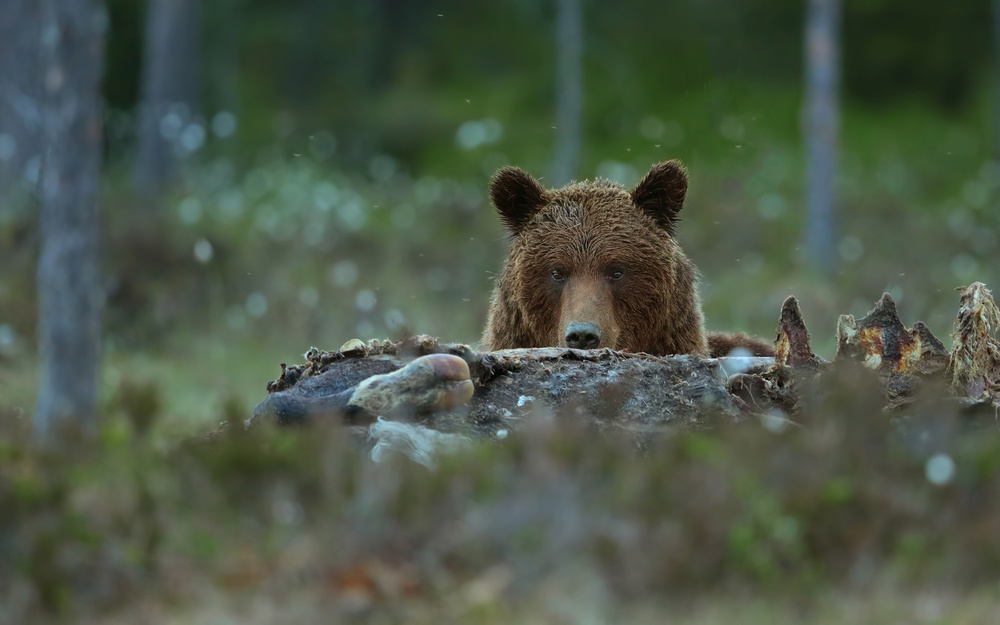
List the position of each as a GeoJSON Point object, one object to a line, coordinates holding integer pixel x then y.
{"type": "Point", "coordinates": [593, 264]}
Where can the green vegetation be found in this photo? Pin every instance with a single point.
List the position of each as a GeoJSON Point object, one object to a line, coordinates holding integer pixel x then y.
{"type": "Point", "coordinates": [351, 201]}
{"type": "Point", "coordinates": [551, 523]}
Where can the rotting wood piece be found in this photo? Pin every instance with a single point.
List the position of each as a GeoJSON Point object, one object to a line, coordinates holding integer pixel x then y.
{"type": "Point", "coordinates": [974, 369]}
{"type": "Point", "coordinates": [483, 366]}
{"type": "Point", "coordinates": [776, 387]}
{"type": "Point", "coordinates": [792, 343]}
{"type": "Point", "coordinates": [638, 393]}
{"type": "Point", "coordinates": [881, 342]}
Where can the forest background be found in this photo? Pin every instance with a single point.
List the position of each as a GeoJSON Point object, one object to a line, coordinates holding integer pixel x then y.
{"type": "Point", "coordinates": [318, 171]}
{"type": "Point", "coordinates": [277, 175]}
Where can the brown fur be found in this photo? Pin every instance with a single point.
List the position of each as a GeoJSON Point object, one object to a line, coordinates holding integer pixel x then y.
{"type": "Point", "coordinates": [723, 343]}
{"type": "Point", "coordinates": [596, 253]}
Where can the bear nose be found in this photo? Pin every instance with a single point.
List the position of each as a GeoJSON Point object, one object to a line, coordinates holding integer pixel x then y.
{"type": "Point", "coordinates": [583, 335]}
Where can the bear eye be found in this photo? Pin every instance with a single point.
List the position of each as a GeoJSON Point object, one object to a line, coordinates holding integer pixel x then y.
{"type": "Point", "coordinates": [558, 275]}
{"type": "Point", "coordinates": [616, 274]}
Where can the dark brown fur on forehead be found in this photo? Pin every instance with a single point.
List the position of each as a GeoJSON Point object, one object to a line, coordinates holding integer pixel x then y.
{"type": "Point", "coordinates": [519, 198]}
{"type": "Point", "coordinates": [600, 199]}
{"type": "Point", "coordinates": [598, 191]}
{"type": "Point", "coordinates": [594, 237]}
{"type": "Point", "coordinates": [595, 224]}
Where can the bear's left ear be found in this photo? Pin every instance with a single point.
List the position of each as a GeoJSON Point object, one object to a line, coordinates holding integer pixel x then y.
{"type": "Point", "coordinates": [517, 197]}
{"type": "Point", "coordinates": [661, 193]}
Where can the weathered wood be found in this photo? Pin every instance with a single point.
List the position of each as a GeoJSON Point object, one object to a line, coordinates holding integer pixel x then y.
{"type": "Point", "coordinates": [426, 380]}
{"type": "Point", "coordinates": [600, 388]}
{"type": "Point", "coordinates": [974, 367]}
{"type": "Point", "coordinates": [883, 343]}
{"type": "Point", "coordinates": [792, 347]}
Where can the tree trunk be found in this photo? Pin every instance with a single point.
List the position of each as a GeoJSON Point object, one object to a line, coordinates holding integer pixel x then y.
{"type": "Point", "coordinates": [569, 96]}
{"type": "Point", "coordinates": [822, 128]}
{"type": "Point", "coordinates": [996, 77]}
{"type": "Point", "coordinates": [170, 87]}
{"type": "Point", "coordinates": [20, 99]}
{"type": "Point", "coordinates": [220, 55]}
{"type": "Point", "coordinates": [69, 290]}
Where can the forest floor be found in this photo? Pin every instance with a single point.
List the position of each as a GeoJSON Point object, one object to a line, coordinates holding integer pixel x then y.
{"type": "Point", "coordinates": [195, 377]}
{"type": "Point", "coordinates": [567, 601]}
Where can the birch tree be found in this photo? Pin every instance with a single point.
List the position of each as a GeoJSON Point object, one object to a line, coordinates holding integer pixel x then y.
{"type": "Point", "coordinates": [996, 77]}
{"type": "Point", "coordinates": [821, 117]}
{"type": "Point", "coordinates": [69, 292]}
{"type": "Point", "coordinates": [170, 87]}
{"type": "Point", "coordinates": [569, 91]}
{"type": "Point", "coordinates": [20, 93]}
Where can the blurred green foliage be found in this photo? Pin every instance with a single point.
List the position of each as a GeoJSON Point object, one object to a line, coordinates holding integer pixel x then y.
{"type": "Point", "coordinates": [350, 199]}
{"type": "Point", "coordinates": [845, 498]}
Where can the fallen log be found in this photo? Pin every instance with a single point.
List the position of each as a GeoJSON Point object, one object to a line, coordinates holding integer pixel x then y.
{"type": "Point", "coordinates": [603, 388]}
{"type": "Point", "coordinates": [452, 388]}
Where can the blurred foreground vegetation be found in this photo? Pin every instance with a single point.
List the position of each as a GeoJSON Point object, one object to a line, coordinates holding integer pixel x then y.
{"type": "Point", "coordinates": [845, 515]}
{"type": "Point", "coordinates": [333, 184]}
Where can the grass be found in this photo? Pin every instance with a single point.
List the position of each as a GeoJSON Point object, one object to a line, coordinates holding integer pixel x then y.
{"type": "Point", "coordinates": [569, 600]}
{"type": "Point", "coordinates": [194, 377]}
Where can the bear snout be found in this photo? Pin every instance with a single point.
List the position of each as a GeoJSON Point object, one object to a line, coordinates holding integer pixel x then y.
{"type": "Point", "coordinates": [587, 316]}
{"type": "Point", "coordinates": [583, 335]}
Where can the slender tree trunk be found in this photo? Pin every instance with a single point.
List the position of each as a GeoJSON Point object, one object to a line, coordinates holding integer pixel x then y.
{"type": "Point", "coordinates": [20, 99]}
{"type": "Point", "coordinates": [221, 57]}
{"type": "Point", "coordinates": [996, 77]}
{"type": "Point", "coordinates": [821, 122]}
{"type": "Point", "coordinates": [569, 96]}
{"type": "Point", "coordinates": [304, 75]}
{"type": "Point", "coordinates": [69, 290]}
{"type": "Point", "coordinates": [170, 87]}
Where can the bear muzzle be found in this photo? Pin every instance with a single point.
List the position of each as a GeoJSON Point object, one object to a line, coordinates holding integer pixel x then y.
{"type": "Point", "coordinates": [587, 318]}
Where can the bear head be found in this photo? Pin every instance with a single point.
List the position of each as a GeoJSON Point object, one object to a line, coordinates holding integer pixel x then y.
{"type": "Point", "coordinates": [594, 264]}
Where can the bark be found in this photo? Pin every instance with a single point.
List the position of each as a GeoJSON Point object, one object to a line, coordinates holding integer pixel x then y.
{"type": "Point", "coordinates": [220, 57]}
{"type": "Point", "coordinates": [20, 99]}
{"type": "Point", "coordinates": [638, 394]}
{"type": "Point", "coordinates": [569, 91]}
{"type": "Point", "coordinates": [974, 368]}
{"type": "Point", "coordinates": [821, 119]}
{"type": "Point", "coordinates": [170, 87]}
{"type": "Point", "coordinates": [69, 291]}
{"type": "Point", "coordinates": [996, 77]}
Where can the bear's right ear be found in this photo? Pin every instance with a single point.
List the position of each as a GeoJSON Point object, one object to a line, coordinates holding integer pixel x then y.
{"type": "Point", "coordinates": [517, 197]}
{"type": "Point", "coordinates": [661, 193]}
